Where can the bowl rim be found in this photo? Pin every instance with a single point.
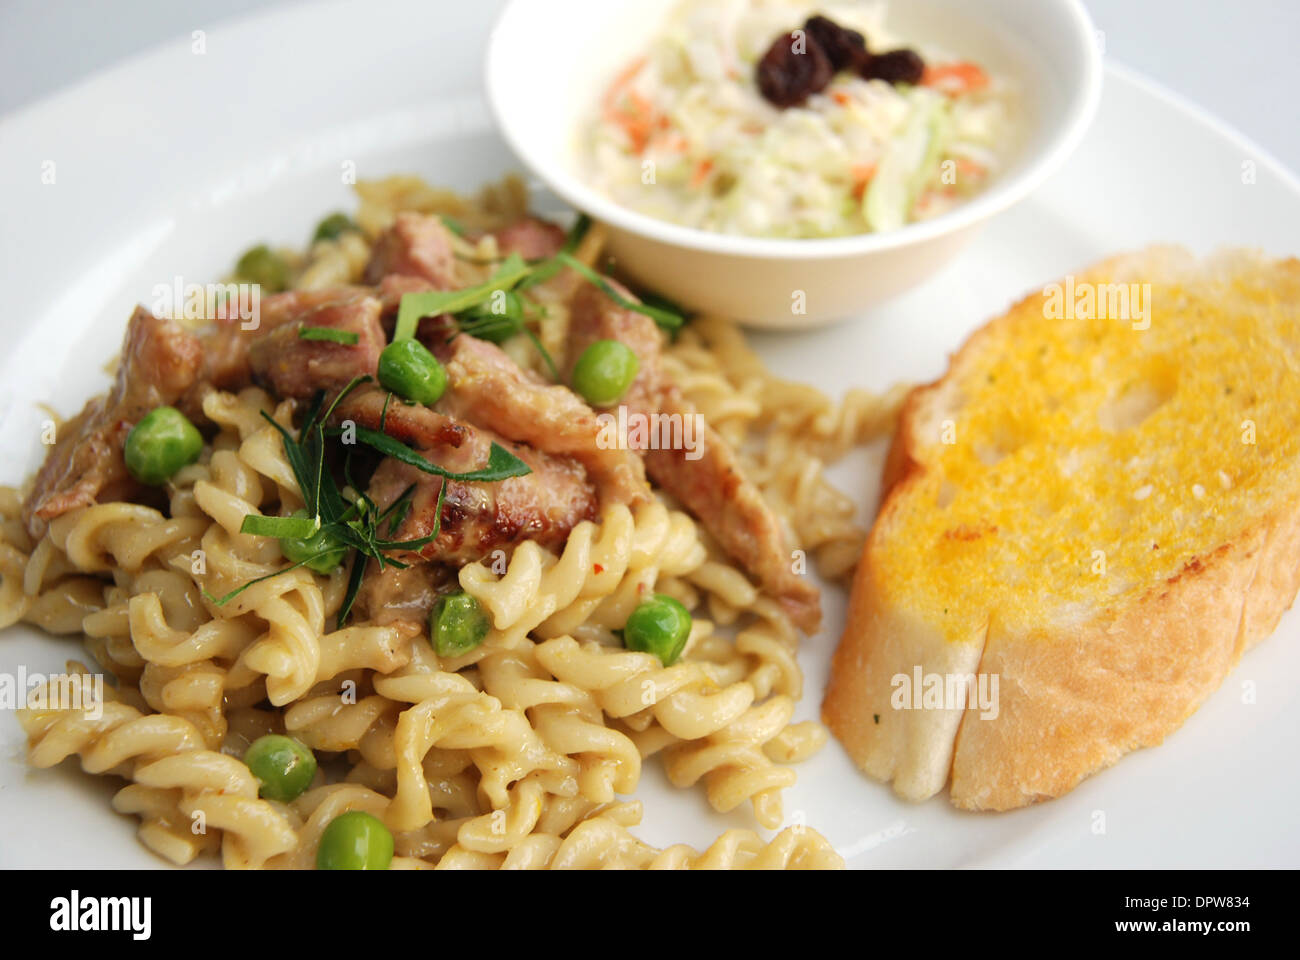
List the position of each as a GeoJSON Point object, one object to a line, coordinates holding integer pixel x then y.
{"type": "Point", "coordinates": [1065, 137]}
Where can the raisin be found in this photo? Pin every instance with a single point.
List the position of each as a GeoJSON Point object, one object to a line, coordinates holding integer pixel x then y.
{"type": "Point", "coordinates": [896, 66]}
{"type": "Point", "coordinates": [846, 49]}
{"type": "Point", "coordinates": [787, 78]}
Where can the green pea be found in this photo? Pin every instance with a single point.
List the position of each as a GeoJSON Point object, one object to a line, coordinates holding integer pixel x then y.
{"type": "Point", "coordinates": [160, 444]}
{"type": "Point", "coordinates": [412, 372]}
{"type": "Point", "coordinates": [282, 765]}
{"type": "Point", "coordinates": [323, 542]}
{"type": "Point", "coordinates": [604, 372]}
{"type": "Point", "coordinates": [498, 319]}
{"type": "Point", "coordinates": [262, 266]}
{"type": "Point", "coordinates": [332, 227]}
{"type": "Point", "coordinates": [457, 624]}
{"type": "Point", "coordinates": [355, 841]}
{"type": "Point", "coordinates": [660, 626]}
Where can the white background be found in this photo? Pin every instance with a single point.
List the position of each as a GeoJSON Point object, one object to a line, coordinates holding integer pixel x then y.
{"type": "Point", "coordinates": [1236, 58]}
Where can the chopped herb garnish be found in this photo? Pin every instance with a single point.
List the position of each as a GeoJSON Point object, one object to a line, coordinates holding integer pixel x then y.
{"type": "Point", "coordinates": [499, 327]}
{"type": "Point", "coordinates": [299, 528]}
{"type": "Point", "coordinates": [576, 233]}
{"type": "Point", "coordinates": [416, 306]}
{"type": "Point", "coordinates": [668, 319]}
{"type": "Point", "coordinates": [501, 465]}
{"type": "Point", "coordinates": [349, 337]}
{"type": "Point", "coordinates": [355, 525]}
{"type": "Point", "coordinates": [452, 224]}
{"type": "Point", "coordinates": [222, 601]}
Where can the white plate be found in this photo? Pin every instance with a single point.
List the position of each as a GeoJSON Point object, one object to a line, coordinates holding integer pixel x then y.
{"type": "Point", "coordinates": [174, 162]}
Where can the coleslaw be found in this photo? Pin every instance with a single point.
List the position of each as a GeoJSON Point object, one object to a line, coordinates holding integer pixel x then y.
{"type": "Point", "coordinates": [684, 135]}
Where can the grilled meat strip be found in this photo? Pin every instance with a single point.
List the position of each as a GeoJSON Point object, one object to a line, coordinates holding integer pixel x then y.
{"type": "Point", "coordinates": [713, 486]}
{"type": "Point", "coordinates": [293, 367]}
{"type": "Point", "coordinates": [476, 517]}
{"type": "Point", "coordinates": [485, 384]}
{"type": "Point", "coordinates": [159, 364]}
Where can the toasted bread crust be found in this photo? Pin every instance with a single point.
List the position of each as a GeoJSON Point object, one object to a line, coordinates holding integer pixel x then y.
{"type": "Point", "coordinates": [1074, 696]}
{"type": "Point", "coordinates": [1075, 701]}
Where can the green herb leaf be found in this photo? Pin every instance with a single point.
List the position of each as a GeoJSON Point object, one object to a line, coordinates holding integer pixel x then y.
{"type": "Point", "coordinates": [501, 465]}
{"type": "Point", "coordinates": [576, 233]}
{"type": "Point", "coordinates": [665, 318]}
{"type": "Point", "coordinates": [294, 454]}
{"type": "Point", "coordinates": [545, 269]}
{"type": "Point", "coordinates": [352, 385]}
{"type": "Point", "coordinates": [347, 337]}
{"type": "Point", "coordinates": [298, 528]}
{"type": "Point", "coordinates": [399, 507]}
{"type": "Point", "coordinates": [415, 306]}
{"type": "Point", "coordinates": [313, 411]}
{"type": "Point", "coordinates": [486, 325]}
{"type": "Point", "coordinates": [546, 355]}
{"type": "Point", "coordinates": [432, 536]}
{"type": "Point", "coordinates": [222, 601]}
{"type": "Point", "coordinates": [354, 584]}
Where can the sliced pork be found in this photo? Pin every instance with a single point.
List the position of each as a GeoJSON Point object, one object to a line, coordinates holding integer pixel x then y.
{"type": "Point", "coordinates": [160, 362]}
{"type": "Point", "coordinates": [414, 425]}
{"type": "Point", "coordinates": [486, 385]}
{"type": "Point", "coordinates": [227, 363]}
{"type": "Point", "coordinates": [708, 481]}
{"type": "Point", "coordinates": [477, 518]}
{"type": "Point", "coordinates": [416, 245]}
{"type": "Point", "coordinates": [531, 238]}
{"type": "Point", "coordinates": [293, 367]}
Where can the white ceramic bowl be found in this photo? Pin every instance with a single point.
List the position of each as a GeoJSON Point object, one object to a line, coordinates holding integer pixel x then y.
{"type": "Point", "coordinates": [548, 60]}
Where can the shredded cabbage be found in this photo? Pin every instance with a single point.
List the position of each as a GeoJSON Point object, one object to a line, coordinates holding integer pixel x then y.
{"type": "Point", "coordinates": [685, 136]}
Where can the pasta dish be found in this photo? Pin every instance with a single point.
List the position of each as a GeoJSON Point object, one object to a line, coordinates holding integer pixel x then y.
{"type": "Point", "coordinates": [409, 550]}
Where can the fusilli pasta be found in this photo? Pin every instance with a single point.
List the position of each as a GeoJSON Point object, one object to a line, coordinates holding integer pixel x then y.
{"type": "Point", "coordinates": [518, 754]}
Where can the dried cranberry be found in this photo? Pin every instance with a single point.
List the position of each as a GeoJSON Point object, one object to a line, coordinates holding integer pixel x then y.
{"type": "Point", "coordinates": [846, 49]}
{"type": "Point", "coordinates": [896, 66]}
{"type": "Point", "coordinates": [786, 77]}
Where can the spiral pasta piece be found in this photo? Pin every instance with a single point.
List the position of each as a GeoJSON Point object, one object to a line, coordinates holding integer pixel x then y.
{"type": "Point", "coordinates": [167, 757]}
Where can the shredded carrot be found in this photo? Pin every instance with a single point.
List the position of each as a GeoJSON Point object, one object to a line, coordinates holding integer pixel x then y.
{"type": "Point", "coordinates": [622, 80]}
{"type": "Point", "coordinates": [636, 128]}
{"type": "Point", "coordinates": [702, 170]}
{"type": "Point", "coordinates": [956, 78]}
{"type": "Point", "coordinates": [672, 141]}
{"type": "Point", "coordinates": [842, 98]}
{"type": "Point", "coordinates": [639, 103]}
{"type": "Point", "coordinates": [861, 174]}
{"type": "Point", "coordinates": [970, 168]}
{"type": "Point", "coordinates": [637, 115]}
